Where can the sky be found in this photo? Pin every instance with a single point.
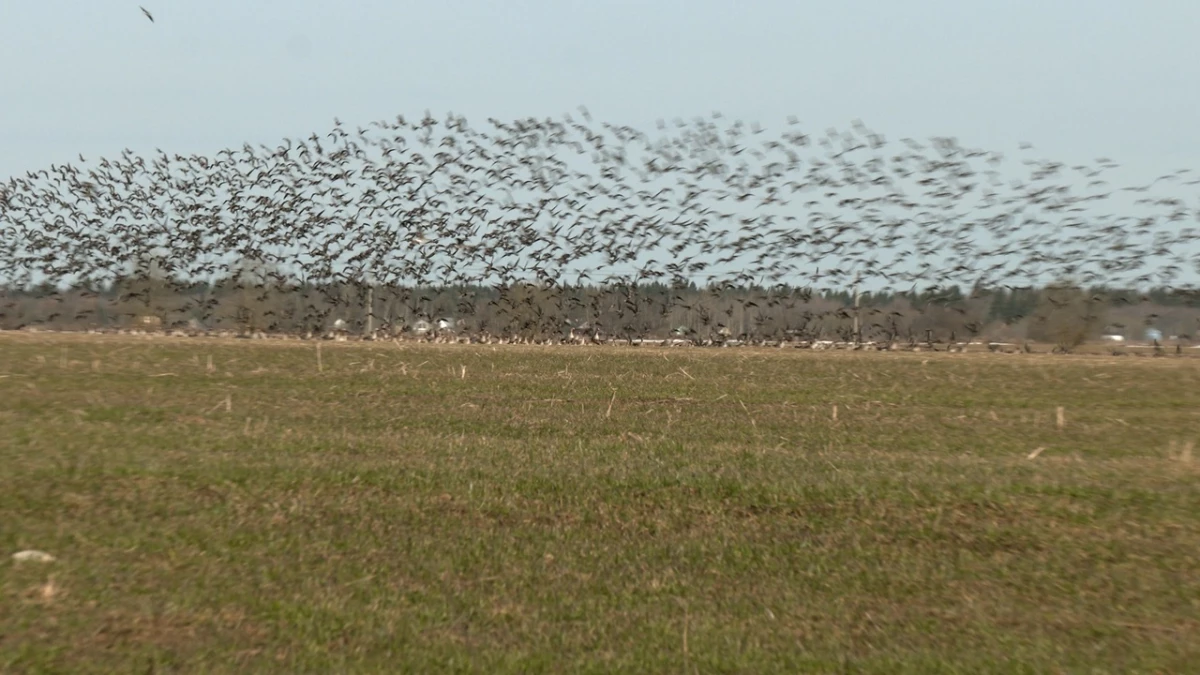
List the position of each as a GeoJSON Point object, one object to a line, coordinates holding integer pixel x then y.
{"type": "Point", "coordinates": [1079, 79]}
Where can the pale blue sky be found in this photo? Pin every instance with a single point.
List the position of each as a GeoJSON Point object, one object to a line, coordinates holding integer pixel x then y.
{"type": "Point", "coordinates": [1078, 78]}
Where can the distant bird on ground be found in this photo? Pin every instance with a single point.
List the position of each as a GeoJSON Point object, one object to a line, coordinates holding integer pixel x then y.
{"type": "Point", "coordinates": [147, 13]}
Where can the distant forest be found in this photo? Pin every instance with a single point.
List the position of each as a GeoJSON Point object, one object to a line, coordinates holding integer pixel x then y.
{"type": "Point", "coordinates": [1059, 313]}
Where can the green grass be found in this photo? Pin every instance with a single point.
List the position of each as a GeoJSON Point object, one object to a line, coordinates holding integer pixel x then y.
{"type": "Point", "coordinates": [593, 509]}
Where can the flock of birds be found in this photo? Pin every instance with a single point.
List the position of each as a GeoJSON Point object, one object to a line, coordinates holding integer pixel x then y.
{"type": "Point", "coordinates": [535, 209]}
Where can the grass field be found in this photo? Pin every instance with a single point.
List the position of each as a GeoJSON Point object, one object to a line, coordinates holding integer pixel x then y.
{"type": "Point", "coordinates": [239, 506]}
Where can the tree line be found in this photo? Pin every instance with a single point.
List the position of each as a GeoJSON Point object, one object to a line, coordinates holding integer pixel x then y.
{"type": "Point", "coordinates": [1061, 313]}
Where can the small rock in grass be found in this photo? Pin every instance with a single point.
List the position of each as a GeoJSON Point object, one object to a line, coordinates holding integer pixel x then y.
{"type": "Point", "coordinates": [33, 556]}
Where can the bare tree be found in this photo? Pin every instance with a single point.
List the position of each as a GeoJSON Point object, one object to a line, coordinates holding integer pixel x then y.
{"type": "Point", "coordinates": [1067, 316]}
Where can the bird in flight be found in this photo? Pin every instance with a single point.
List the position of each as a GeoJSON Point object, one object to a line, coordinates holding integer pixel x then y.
{"type": "Point", "coordinates": [147, 13]}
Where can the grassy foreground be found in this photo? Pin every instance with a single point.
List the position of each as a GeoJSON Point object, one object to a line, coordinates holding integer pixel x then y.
{"type": "Point", "coordinates": [388, 507]}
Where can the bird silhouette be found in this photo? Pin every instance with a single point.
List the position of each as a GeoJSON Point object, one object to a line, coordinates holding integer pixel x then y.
{"type": "Point", "coordinates": [536, 230]}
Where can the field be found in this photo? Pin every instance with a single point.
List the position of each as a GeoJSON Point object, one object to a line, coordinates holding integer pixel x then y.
{"type": "Point", "coordinates": [254, 506]}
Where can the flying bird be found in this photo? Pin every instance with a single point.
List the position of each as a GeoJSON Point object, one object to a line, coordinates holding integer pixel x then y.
{"type": "Point", "coordinates": [501, 220]}
{"type": "Point", "coordinates": [147, 13]}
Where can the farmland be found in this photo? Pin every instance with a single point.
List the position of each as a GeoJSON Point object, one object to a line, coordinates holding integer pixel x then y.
{"type": "Point", "coordinates": [262, 506]}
